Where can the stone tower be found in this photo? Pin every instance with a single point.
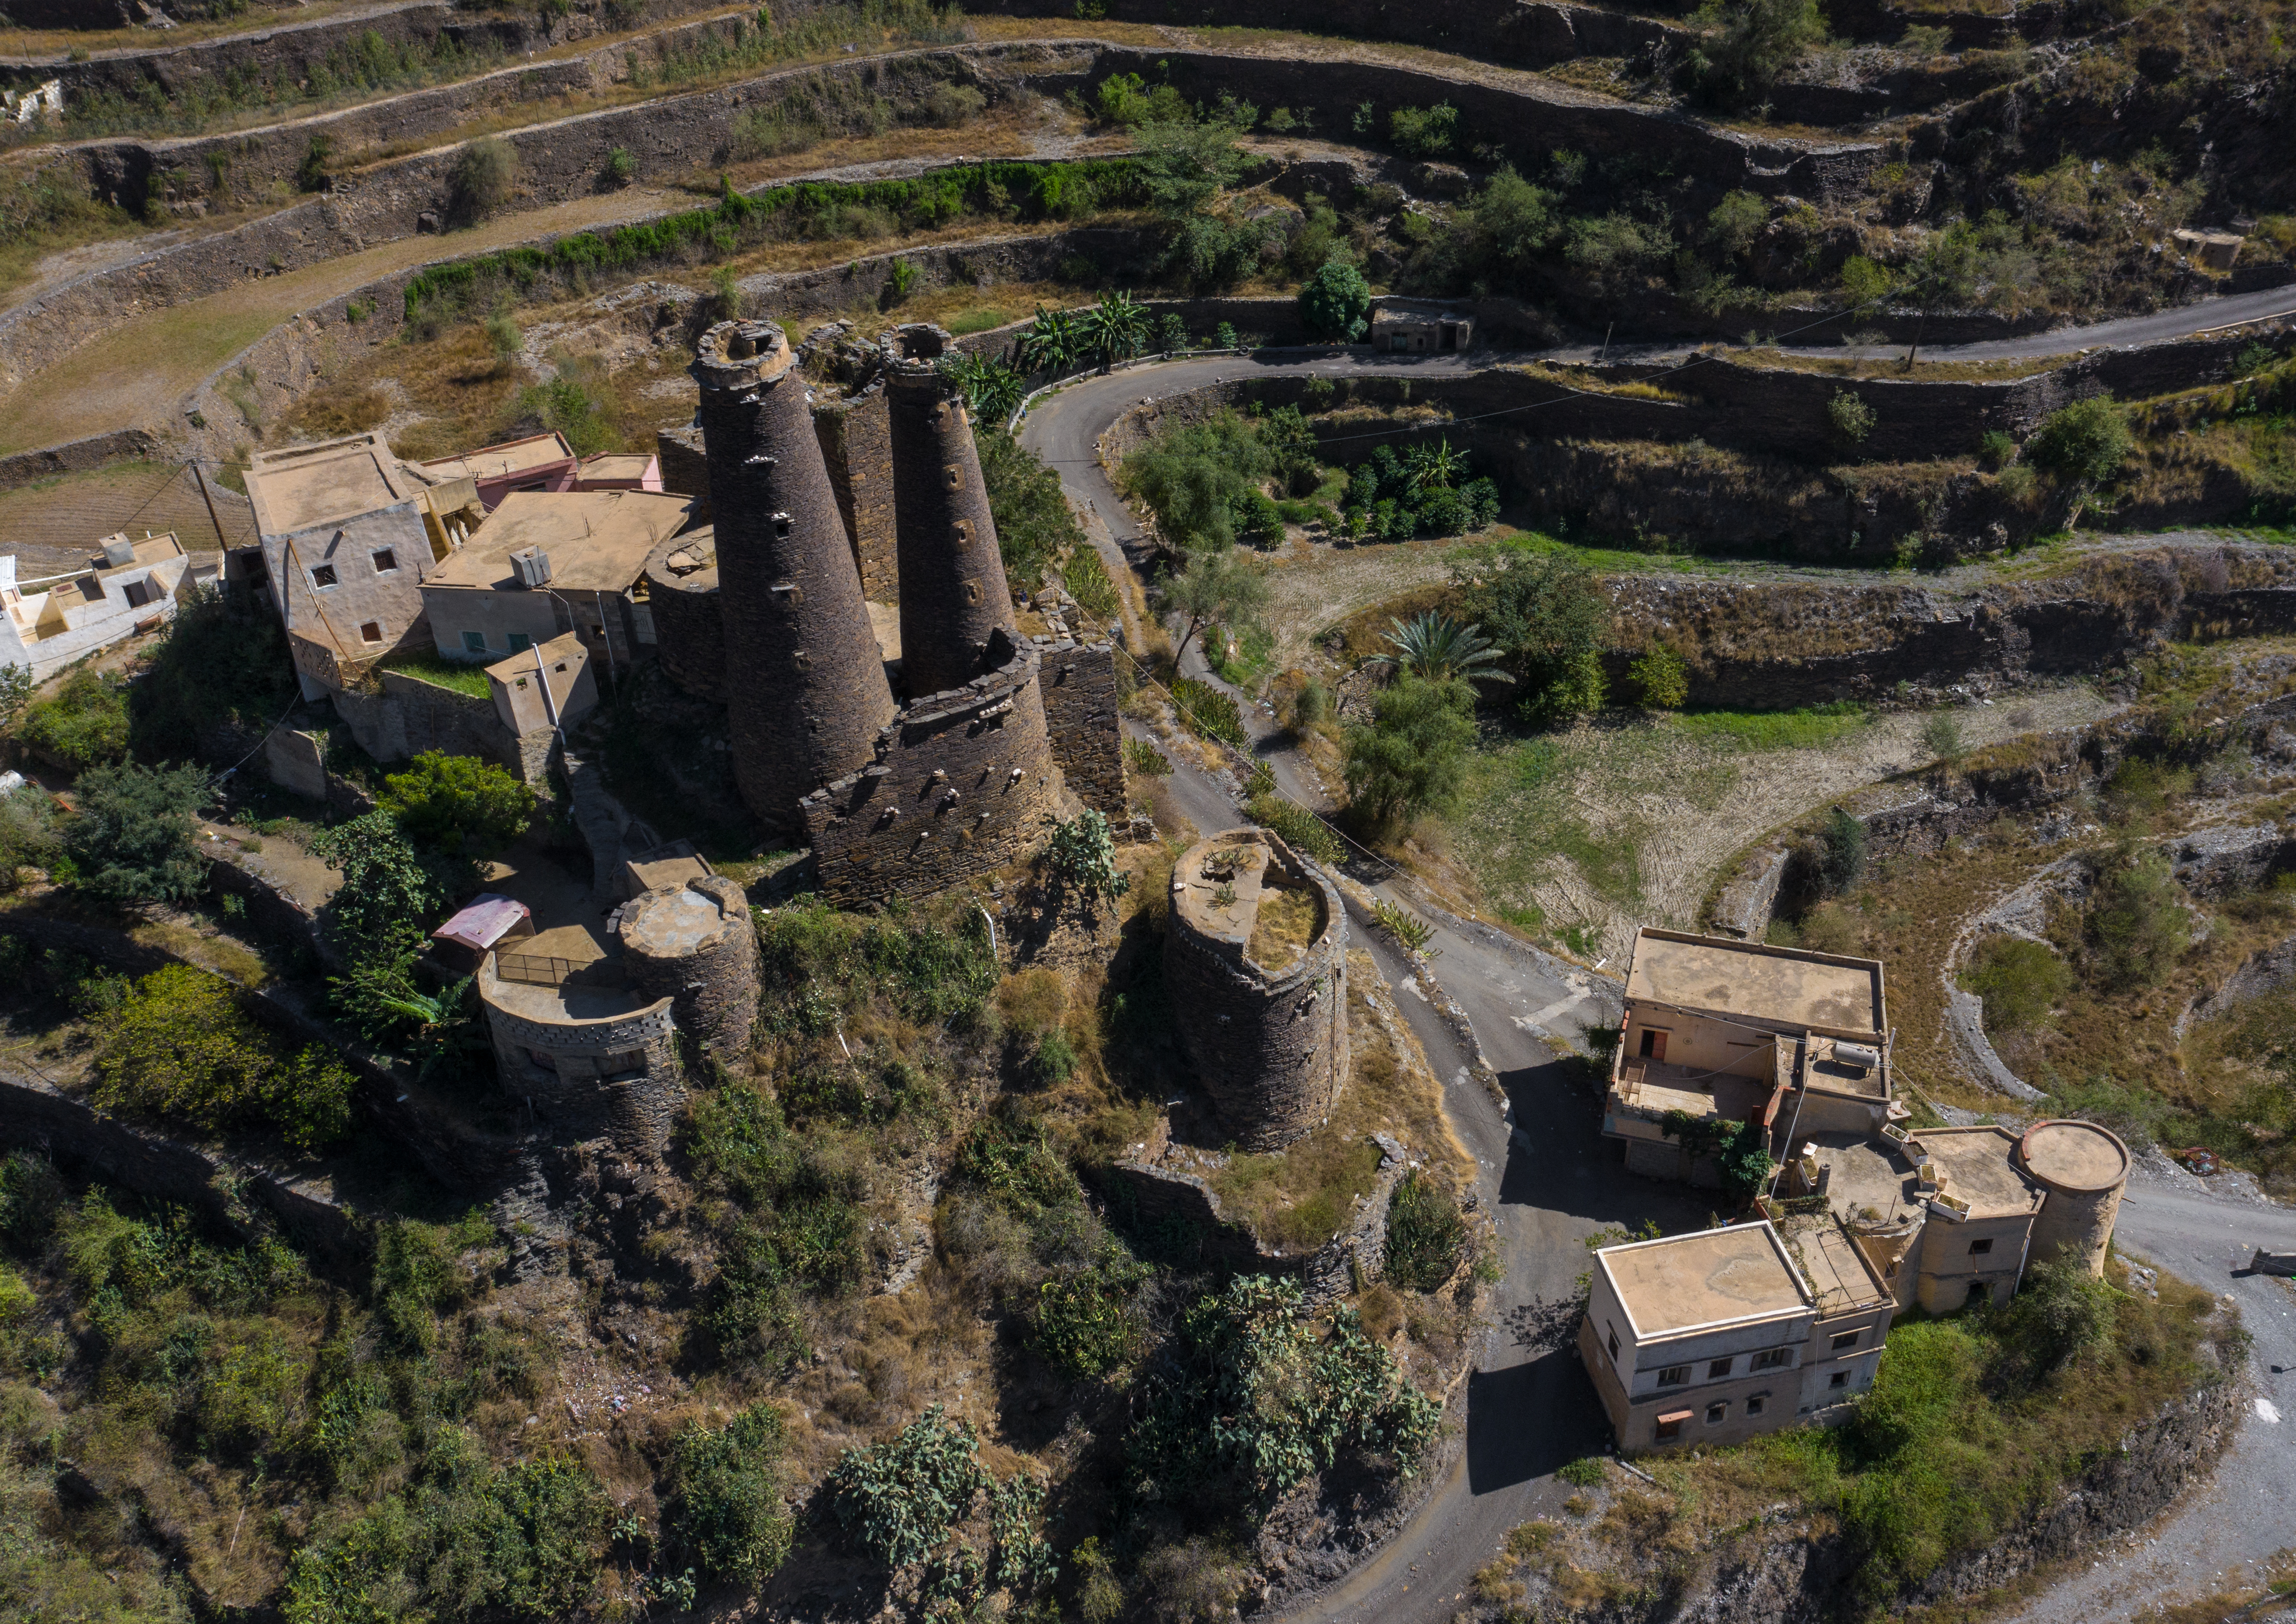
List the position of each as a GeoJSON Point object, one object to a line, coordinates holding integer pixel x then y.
{"type": "Point", "coordinates": [953, 593]}
{"type": "Point", "coordinates": [806, 688]}
{"type": "Point", "coordinates": [696, 945]}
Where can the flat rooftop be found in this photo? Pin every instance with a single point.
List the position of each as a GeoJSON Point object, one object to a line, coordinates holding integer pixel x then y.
{"type": "Point", "coordinates": [1979, 1166]}
{"type": "Point", "coordinates": [1708, 1278]}
{"type": "Point", "coordinates": [305, 486]}
{"type": "Point", "coordinates": [596, 540]}
{"type": "Point", "coordinates": [1661, 1086]}
{"type": "Point", "coordinates": [510, 458]}
{"type": "Point", "coordinates": [1837, 1273]}
{"type": "Point", "coordinates": [1866, 1177]}
{"type": "Point", "coordinates": [1782, 986]}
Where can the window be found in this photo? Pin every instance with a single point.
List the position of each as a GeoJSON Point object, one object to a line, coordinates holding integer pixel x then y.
{"type": "Point", "coordinates": [1978, 1249]}
{"type": "Point", "coordinates": [1840, 1379]}
{"type": "Point", "coordinates": [1614, 1341]}
{"type": "Point", "coordinates": [1756, 1403]}
{"type": "Point", "coordinates": [1670, 1426]}
{"type": "Point", "coordinates": [474, 642]}
{"type": "Point", "coordinates": [1675, 1375]}
{"type": "Point", "coordinates": [386, 561]}
{"type": "Point", "coordinates": [1847, 1341]}
{"type": "Point", "coordinates": [1978, 1293]}
{"type": "Point", "coordinates": [322, 576]}
{"type": "Point", "coordinates": [1715, 1413]}
{"type": "Point", "coordinates": [1718, 1368]}
{"type": "Point", "coordinates": [520, 643]}
{"type": "Point", "coordinates": [1773, 1359]}
{"type": "Point", "coordinates": [371, 631]}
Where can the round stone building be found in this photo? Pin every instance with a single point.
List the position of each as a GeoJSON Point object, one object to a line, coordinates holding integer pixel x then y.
{"type": "Point", "coordinates": [1255, 963]}
{"type": "Point", "coordinates": [695, 945]}
{"type": "Point", "coordinates": [2083, 1168]}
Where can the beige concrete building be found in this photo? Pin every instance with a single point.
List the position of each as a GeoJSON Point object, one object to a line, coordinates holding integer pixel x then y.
{"type": "Point", "coordinates": [348, 534]}
{"type": "Point", "coordinates": [537, 462]}
{"type": "Point", "coordinates": [546, 562]}
{"type": "Point", "coordinates": [1713, 1337]}
{"type": "Point", "coordinates": [128, 586]}
{"type": "Point", "coordinates": [548, 685]}
{"type": "Point", "coordinates": [1731, 1031]}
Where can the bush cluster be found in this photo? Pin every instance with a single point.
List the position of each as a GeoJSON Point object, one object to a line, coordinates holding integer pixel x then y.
{"type": "Point", "coordinates": [1391, 497]}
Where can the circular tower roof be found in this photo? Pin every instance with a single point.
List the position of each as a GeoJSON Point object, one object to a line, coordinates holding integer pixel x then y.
{"type": "Point", "coordinates": [669, 924]}
{"type": "Point", "coordinates": [2075, 1157]}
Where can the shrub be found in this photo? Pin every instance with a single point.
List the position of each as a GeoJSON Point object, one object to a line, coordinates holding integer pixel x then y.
{"type": "Point", "coordinates": [180, 1046]}
{"type": "Point", "coordinates": [1423, 132]}
{"type": "Point", "coordinates": [1546, 612]}
{"type": "Point", "coordinates": [1088, 582]}
{"type": "Point", "coordinates": [1209, 711]}
{"type": "Point", "coordinates": [2021, 982]}
{"type": "Point", "coordinates": [2086, 442]}
{"type": "Point", "coordinates": [1997, 449]}
{"type": "Point", "coordinates": [388, 893]}
{"type": "Point", "coordinates": [1412, 757]}
{"type": "Point", "coordinates": [2137, 925]}
{"type": "Point", "coordinates": [1034, 523]}
{"type": "Point", "coordinates": [311, 174]}
{"type": "Point", "coordinates": [1941, 736]}
{"type": "Point", "coordinates": [725, 1505]}
{"type": "Point", "coordinates": [135, 839]}
{"type": "Point", "coordinates": [1083, 857]}
{"type": "Point", "coordinates": [1750, 43]}
{"type": "Point", "coordinates": [1586, 1471]}
{"type": "Point", "coordinates": [1144, 758]}
{"type": "Point", "coordinates": [84, 723]}
{"type": "Point", "coordinates": [903, 1502]}
{"type": "Point", "coordinates": [458, 803]}
{"type": "Point", "coordinates": [620, 169]}
{"type": "Point", "coordinates": [1084, 1323]}
{"type": "Point", "coordinates": [480, 180]}
{"type": "Point", "coordinates": [1850, 417]}
{"type": "Point", "coordinates": [1300, 829]}
{"type": "Point", "coordinates": [948, 105]}
{"type": "Point", "coordinates": [1336, 302]}
{"type": "Point", "coordinates": [1426, 1233]}
{"type": "Point", "coordinates": [1659, 677]}
{"type": "Point", "coordinates": [1841, 853]}
{"type": "Point", "coordinates": [1863, 281]}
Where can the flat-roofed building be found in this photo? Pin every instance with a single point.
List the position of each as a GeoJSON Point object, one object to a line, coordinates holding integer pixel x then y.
{"type": "Point", "coordinates": [545, 562]}
{"type": "Point", "coordinates": [348, 534]}
{"type": "Point", "coordinates": [1720, 1031]}
{"type": "Point", "coordinates": [536, 463]}
{"type": "Point", "coordinates": [1713, 1337]}
{"type": "Point", "coordinates": [128, 586]}
{"type": "Point", "coordinates": [618, 471]}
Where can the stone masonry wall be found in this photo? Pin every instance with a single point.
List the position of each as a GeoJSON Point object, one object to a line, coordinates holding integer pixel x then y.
{"type": "Point", "coordinates": [411, 716]}
{"type": "Point", "coordinates": [1078, 683]}
{"type": "Point", "coordinates": [963, 782]}
{"type": "Point", "coordinates": [636, 1100]}
{"type": "Point", "coordinates": [855, 440]}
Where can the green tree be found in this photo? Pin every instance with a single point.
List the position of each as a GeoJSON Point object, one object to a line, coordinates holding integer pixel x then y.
{"type": "Point", "coordinates": [458, 803]}
{"type": "Point", "coordinates": [136, 834]}
{"type": "Point", "coordinates": [1863, 281]}
{"type": "Point", "coordinates": [2021, 982]}
{"type": "Point", "coordinates": [1185, 164]}
{"type": "Point", "coordinates": [1224, 587]}
{"type": "Point", "coordinates": [1050, 344]}
{"type": "Point", "coordinates": [215, 660]}
{"type": "Point", "coordinates": [2138, 925]}
{"type": "Point", "coordinates": [83, 723]}
{"type": "Point", "coordinates": [1850, 417]}
{"type": "Point", "coordinates": [1336, 301]}
{"type": "Point", "coordinates": [1034, 523]}
{"type": "Point", "coordinates": [1114, 330]}
{"type": "Point", "coordinates": [992, 390]}
{"type": "Point", "coordinates": [1749, 44]}
{"type": "Point", "coordinates": [1660, 678]}
{"type": "Point", "coordinates": [2086, 442]}
{"type": "Point", "coordinates": [1412, 757]}
{"type": "Point", "coordinates": [15, 692]}
{"type": "Point", "coordinates": [1734, 223]}
{"type": "Point", "coordinates": [725, 1502]}
{"type": "Point", "coordinates": [1423, 132]}
{"type": "Point", "coordinates": [1547, 613]}
{"type": "Point", "coordinates": [481, 178]}
{"type": "Point", "coordinates": [1515, 220]}
{"type": "Point", "coordinates": [388, 894]}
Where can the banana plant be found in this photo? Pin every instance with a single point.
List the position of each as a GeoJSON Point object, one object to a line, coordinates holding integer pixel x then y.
{"type": "Point", "coordinates": [1050, 343]}
{"type": "Point", "coordinates": [1435, 467]}
{"type": "Point", "coordinates": [1114, 330]}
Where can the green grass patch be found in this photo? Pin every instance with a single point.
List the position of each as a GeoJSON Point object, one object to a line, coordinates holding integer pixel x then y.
{"type": "Point", "coordinates": [1812, 727]}
{"type": "Point", "coordinates": [454, 675]}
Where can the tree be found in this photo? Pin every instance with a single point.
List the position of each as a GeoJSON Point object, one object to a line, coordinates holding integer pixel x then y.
{"type": "Point", "coordinates": [1734, 223]}
{"type": "Point", "coordinates": [1050, 343]}
{"type": "Point", "coordinates": [1864, 282]}
{"type": "Point", "coordinates": [2138, 925]}
{"type": "Point", "coordinates": [992, 390]}
{"type": "Point", "coordinates": [1185, 163]}
{"type": "Point", "coordinates": [1225, 587]}
{"type": "Point", "coordinates": [480, 179]}
{"type": "Point", "coordinates": [1084, 857]}
{"type": "Point", "coordinates": [1851, 418]}
{"type": "Point", "coordinates": [84, 722]}
{"type": "Point", "coordinates": [1335, 301]}
{"type": "Point", "coordinates": [388, 893]}
{"type": "Point", "coordinates": [1034, 523]}
{"type": "Point", "coordinates": [1546, 612]}
{"type": "Point", "coordinates": [15, 692]}
{"type": "Point", "coordinates": [1749, 44]}
{"type": "Point", "coordinates": [135, 835]}
{"type": "Point", "coordinates": [1114, 330]}
{"type": "Point", "coordinates": [458, 803]}
{"type": "Point", "coordinates": [1436, 648]}
{"type": "Point", "coordinates": [1412, 757]}
{"type": "Point", "coordinates": [2086, 442]}
{"type": "Point", "coordinates": [725, 1495]}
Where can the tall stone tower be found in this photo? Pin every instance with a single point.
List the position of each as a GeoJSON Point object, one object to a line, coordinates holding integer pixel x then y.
{"type": "Point", "coordinates": [953, 593]}
{"type": "Point", "coordinates": [806, 688]}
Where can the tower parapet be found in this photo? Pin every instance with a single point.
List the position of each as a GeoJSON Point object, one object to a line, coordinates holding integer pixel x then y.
{"type": "Point", "coordinates": [805, 683]}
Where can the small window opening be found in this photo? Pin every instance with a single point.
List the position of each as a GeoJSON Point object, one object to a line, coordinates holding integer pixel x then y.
{"type": "Point", "coordinates": [371, 631]}
{"type": "Point", "coordinates": [1754, 1405]}
{"type": "Point", "coordinates": [1670, 1427]}
{"type": "Point", "coordinates": [474, 642]}
{"type": "Point", "coordinates": [322, 575]}
{"type": "Point", "coordinates": [1715, 1413]}
{"type": "Point", "coordinates": [1718, 1368]}
{"type": "Point", "coordinates": [520, 643]}
{"type": "Point", "coordinates": [1847, 1341]}
{"type": "Point", "coordinates": [1840, 1379]}
{"type": "Point", "coordinates": [1978, 1249]}
{"type": "Point", "coordinates": [386, 561]}
{"type": "Point", "coordinates": [1674, 1376]}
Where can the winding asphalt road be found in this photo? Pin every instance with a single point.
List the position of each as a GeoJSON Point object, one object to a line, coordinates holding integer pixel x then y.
{"type": "Point", "coordinates": [1529, 1408]}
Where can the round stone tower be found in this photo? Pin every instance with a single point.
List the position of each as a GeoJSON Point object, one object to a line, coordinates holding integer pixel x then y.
{"type": "Point", "coordinates": [805, 682]}
{"type": "Point", "coordinates": [1255, 963]}
{"type": "Point", "coordinates": [695, 945]}
{"type": "Point", "coordinates": [2083, 1168]}
{"type": "Point", "coordinates": [953, 593]}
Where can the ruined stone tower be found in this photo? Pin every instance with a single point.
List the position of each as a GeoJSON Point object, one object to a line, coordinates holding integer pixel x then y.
{"type": "Point", "coordinates": [954, 599]}
{"type": "Point", "coordinates": [806, 688]}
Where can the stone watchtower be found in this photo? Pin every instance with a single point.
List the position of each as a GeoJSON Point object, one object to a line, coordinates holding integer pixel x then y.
{"type": "Point", "coordinates": [954, 598]}
{"type": "Point", "coordinates": [806, 688]}
{"type": "Point", "coordinates": [696, 945]}
{"type": "Point", "coordinates": [1255, 959]}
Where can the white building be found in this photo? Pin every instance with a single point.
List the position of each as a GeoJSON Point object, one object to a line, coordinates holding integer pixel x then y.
{"type": "Point", "coordinates": [129, 586]}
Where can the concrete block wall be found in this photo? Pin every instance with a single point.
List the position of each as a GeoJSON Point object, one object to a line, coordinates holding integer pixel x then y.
{"type": "Point", "coordinates": [963, 782]}
{"type": "Point", "coordinates": [1078, 684]}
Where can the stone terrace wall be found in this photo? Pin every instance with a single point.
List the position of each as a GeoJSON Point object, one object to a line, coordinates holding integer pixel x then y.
{"type": "Point", "coordinates": [963, 782]}
{"type": "Point", "coordinates": [411, 716]}
{"type": "Point", "coordinates": [1078, 681]}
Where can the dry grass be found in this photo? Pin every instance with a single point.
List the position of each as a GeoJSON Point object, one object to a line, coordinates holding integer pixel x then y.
{"type": "Point", "coordinates": [1771, 358]}
{"type": "Point", "coordinates": [1283, 925]}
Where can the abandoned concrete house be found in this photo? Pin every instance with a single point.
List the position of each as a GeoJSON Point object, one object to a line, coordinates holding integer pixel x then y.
{"type": "Point", "coordinates": [128, 586]}
{"type": "Point", "coordinates": [1407, 328]}
{"type": "Point", "coordinates": [348, 533]}
{"type": "Point", "coordinates": [1720, 1031]}
{"type": "Point", "coordinates": [1712, 1337]}
{"type": "Point", "coordinates": [546, 562]}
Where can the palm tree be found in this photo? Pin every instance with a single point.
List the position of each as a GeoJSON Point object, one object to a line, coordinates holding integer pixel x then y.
{"type": "Point", "coordinates": [992, 390]}
{"type": "Point", "coordinates": [1437, 648]}
{"type": "Point", "coordinates": [1050, 343]}
{"type": "Point", "coordinates": [1114, 330]}
{"type": "Point", "coordinates": [1435, 467]}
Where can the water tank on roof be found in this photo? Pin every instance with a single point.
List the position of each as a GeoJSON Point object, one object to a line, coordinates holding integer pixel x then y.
{"type": "Point", "coordinates": [533, 566]}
